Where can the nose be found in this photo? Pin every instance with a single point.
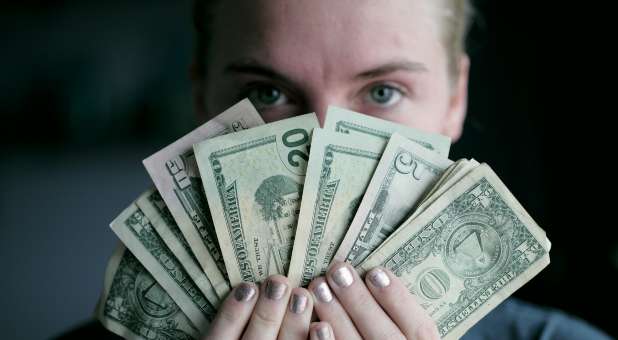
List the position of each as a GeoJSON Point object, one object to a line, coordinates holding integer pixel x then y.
{"type": "Point", "coordinates": [319, 104]}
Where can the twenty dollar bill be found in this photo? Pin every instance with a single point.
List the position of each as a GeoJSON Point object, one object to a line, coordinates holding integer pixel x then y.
{"type": "Point", "coordinates": [253, 182]}
{"type": "Point", "coordinates": [339, 170]}
{"type": "Point", "coordinates": [367, 127]}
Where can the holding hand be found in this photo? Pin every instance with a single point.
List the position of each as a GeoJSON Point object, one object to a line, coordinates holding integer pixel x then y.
{"type": "Point", "coordinates": [272, 311]}
{"type": "Point", "coordinates": [380, 309]}
{"type": "Point", "coordinates": [348, 308]}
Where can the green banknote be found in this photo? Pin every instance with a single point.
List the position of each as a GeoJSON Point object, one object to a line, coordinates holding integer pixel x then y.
{"type": "Point", "coordinates": [467, 252]}
{"type": "Point", "coordinates": [368, 127]}
{"type": "Point", "coordinates": [404, 174]}
{"type": "Point", "coordinates": [339, 170]}
{"type": "Point", "coordinates": [253, 182]}
{"type": "Point", "coordinates": [134, 306]}
{"type": "Point", "coordinates": [153, 207]}
{"type": "Point", "coordinates": [174, 172]}
{"type": "Point", "coordinates": [139, 236]}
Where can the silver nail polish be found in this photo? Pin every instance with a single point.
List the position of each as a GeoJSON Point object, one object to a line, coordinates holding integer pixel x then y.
{"type": "Point", "coordinates": [379, 278]}
{"type": "Point", "coordinates": [244, 292]}
{"type": "Point", "coordinates": [275, 290]}
{"type": "Point", "coordinates": [298, 304]}
{"type": "Point", "coordinates": [323, 333]}
{"type": "Point", "coordinates": [343, 277]}
{"type": "Point", "coordinates": [323, 292]}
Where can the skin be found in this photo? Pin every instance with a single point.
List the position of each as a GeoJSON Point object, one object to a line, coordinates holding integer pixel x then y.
{"type": "Point", "coordinates": [382, 58]}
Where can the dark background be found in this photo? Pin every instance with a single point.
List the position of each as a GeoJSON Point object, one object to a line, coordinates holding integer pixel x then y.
{"type": "Point", "coordinates": [89, 89]}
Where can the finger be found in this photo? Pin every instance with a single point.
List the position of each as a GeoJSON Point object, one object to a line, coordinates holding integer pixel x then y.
{"type": "Point", "coordinates": [368, 317]}
{"type": "Point", "coordinates": [400, 305]}
{"type": "Point", "coordinates": [328, 309]}
{"type": "Point", "coordinates": [321, 331]}
{"type": "Point", "coordinates": [295, 325]}
{"type": "Point", "coordinates": [269, 309]}
{"type": "Point", "coordinates": [234, 313]}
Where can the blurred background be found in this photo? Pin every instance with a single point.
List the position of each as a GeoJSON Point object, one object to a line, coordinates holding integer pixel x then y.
{"type": "Point", "coordinates": [90, 88]}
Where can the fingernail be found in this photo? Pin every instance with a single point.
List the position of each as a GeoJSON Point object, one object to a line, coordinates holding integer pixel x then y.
{"type": "Point", "coordinates": [323, 292]}
{"type": "Point", "coordinates": [379, 278]}
{"type": "Point", "coordinates": [244, 292]}
{"type": "Point", "coordinates": [299, 303]}
{"type": "Point", "coordinates": [275, 290]}
{"type": "Point", "coordinates": [343, 277]}
{"type": "Point", "coordinates": [323, 333]}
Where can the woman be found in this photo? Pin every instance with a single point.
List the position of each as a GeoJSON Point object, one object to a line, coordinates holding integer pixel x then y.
{"type": "Point", "coordinates": [401, 60]}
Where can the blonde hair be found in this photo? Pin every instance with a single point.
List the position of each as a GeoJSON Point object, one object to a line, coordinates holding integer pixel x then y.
{"type": "Point", "coordinates": [456, 18]}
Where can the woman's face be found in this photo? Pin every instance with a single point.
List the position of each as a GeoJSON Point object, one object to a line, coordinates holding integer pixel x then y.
{"type": "Point", "coordinates": [382, 58]}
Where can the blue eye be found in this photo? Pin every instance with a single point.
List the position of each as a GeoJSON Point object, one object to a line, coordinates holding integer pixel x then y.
{"type": "Point", "coordinates": [265, 95]}
{"type": "Point", "coordinates": [384, 95]}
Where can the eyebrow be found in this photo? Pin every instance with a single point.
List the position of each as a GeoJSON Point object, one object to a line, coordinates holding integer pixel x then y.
{"type": "Point", "coordinates": [394, 66]}
{"type": "Point", "coordinates": [251, 66]}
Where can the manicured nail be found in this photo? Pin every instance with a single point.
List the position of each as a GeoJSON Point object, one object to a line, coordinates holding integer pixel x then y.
{"type": "Point", "coordinates": [275, 290]}
{"type": "Point", "coordinates": [244, 292]}
{"type": "Point", "coordinates": [323, 292]}
{"type": "Point", "coordinates": [298, 304]}
{"type": "Point", "coordinates": [379, 278]}
{"type": "Point", "coordinates": [323, 333]}
{"type": "Point", "coordinates": [343, 277]}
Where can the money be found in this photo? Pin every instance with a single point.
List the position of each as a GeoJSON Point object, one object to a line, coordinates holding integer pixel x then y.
{"type": "Point", "coordinates": [462, 168]}
{"type": "Point", "coordinates": [174, 172]}
{"type": "Point", "coordinates": [138, 235]}
{"type": "Point", "coordinates": [467, 252]}
{"type": "Point", "coordinates": [134, 306]}
{"type": "Point", "coordinates": [339, 170]}
{"type": "Point", "coordinates": [239, 200]}
{"type": "Point", "coordinates": [253, 182]}
{"type": "Point", "coordinates": [153, 207]}
{"type": "Point", "coordinates": [367, 127]}
{"type": "Point", "coordinates": [404, 174]}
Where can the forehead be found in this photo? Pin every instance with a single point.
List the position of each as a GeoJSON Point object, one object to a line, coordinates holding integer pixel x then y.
{"type": "Point", "coordinates": [348, 34]}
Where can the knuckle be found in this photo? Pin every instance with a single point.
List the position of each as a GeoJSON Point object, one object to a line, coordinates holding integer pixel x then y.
{"type": "Point", "coordinates": [426, 331]}
{"type": "Point", "coordinates": [392, 335]}
{"type": "Point", "coordinates": [363, 301]}
{"type": "Point", "coordinates": [266, 319]}
{"type": "Point", "coordinates": [227, 316]}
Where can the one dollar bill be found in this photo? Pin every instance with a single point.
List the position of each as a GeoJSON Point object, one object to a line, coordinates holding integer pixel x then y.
{"type": "Point", "coordinates": [139, 236]}
{"type": "Point", "coordinates": [253, 182]}
{"type": "Point", "coordinates": [162, 221]}
{"type": "Point", "coordinates": [467, 252]}
{"type": "Point", "coordinates": [174, 172]}
{"type": "Point", "coordinates": [134, 306]}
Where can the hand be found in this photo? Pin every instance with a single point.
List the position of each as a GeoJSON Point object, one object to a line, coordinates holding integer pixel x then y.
{"type": "Point", "coordinates": [382, 308]}
{"type": "Point", "coordinates": [272, 311]}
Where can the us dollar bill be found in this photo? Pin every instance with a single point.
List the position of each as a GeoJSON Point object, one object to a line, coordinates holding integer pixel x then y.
{"type": "Point", "coordinates": [139, 236]}
{"type": "Point", "coordinates": [404, 174]}
{"type": "Point", "coordinates": [339, 170]}
{"type": "Point", "coordinates": [174, 172]}
{"type": "Point", "coordinates": [467, 252]}
{"type": "Point", "coordinates": [357, 124]}
{"type": "Point", "coordinates": [155, 210]}
{"type": "Point", "coordinates": [463, 167]}
{"type": "Point", "coordinates": [134, 306]}
{"type": "Point", "coordinates": [253, 182]}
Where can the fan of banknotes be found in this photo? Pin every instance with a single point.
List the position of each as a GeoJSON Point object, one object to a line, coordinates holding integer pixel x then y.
{"type": "Point", "coordinates": [238, 200]}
